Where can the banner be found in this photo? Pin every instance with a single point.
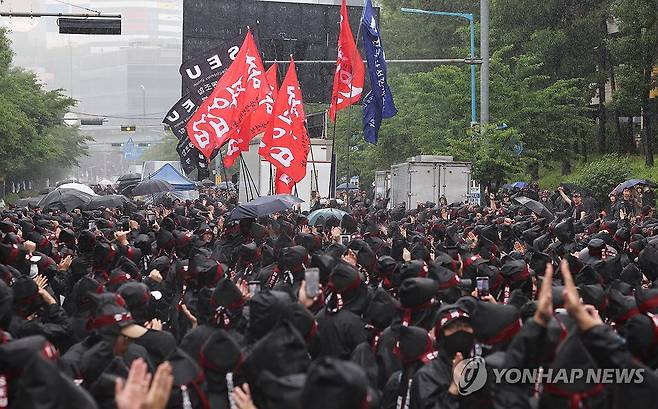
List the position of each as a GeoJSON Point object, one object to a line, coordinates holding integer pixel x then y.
{"type": "Point", "coordinates": [350, 73]}
{"type": "Point", "coordinates": [260, 116]}
{"type": "Point", "coordinates": [238, 93]}
{"type": "Point", "coordinates": [201, 72]}
{"type": "Point", "coordinates": [286, 144]}
{"type": "Point", "coordinates": [177, 119]}
{"type": "Point", "coordinates": [179, 115]}
{"type": "Point", "coordinates": [378, 103]}
{"type": "Point", "coordinates": [189, 156]}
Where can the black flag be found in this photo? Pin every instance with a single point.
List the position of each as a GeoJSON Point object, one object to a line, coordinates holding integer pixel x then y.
{"type": "Point", "coordinates": [201, 72]}
{"type": "Point", "coordinates": [188, 155]}
{"type": "Point", "coordinates": [177, 118]}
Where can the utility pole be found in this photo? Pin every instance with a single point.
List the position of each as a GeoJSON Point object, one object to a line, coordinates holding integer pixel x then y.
{"type": "Point", "coordinates": [484, 68]}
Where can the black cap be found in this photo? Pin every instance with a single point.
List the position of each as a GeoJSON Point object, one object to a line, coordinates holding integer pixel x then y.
{"type": "Point", "coordinates": [647, 300]}
{"type": "Point", "coordinates": [418, 291]}
{"type": "Point", "coordinates": [335, 384]}
{"type": "Point", "coordinates": [495, 323]}
{"type": "Point", "coordinates": [414, 344]}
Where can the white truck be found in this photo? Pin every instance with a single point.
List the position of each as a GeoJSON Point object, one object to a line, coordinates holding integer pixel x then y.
{"type": "Point", "coordinates": [426, 178]}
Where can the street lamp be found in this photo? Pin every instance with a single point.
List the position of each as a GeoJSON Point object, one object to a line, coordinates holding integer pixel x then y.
{"type": "Point", "coordinates": [143, 101]}
{"type": "Point", "coordinates": [470, 18]}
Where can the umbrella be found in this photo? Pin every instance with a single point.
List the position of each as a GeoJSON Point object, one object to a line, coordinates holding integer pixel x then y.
{"type": "Point", "coordinates": [151, 186]}
{"type": "Point", "coordinates": [536, 207]}
{"type": "Point", "coordinates": [326, 213]}
{"type": "Point", "coordinates": [632, 183]}
{"type": "Point", "coordinates": [516, 185]}
{"type": "Point", "coordinates": [78, 186]}
{"type": "Point", "coordinates": [127, 182]}
{"type": "Point", "coordinates": [207, 182]}
{"type": "Point", "coordinates": [346, 186]}
{"type": "Point", "coordinates": [263, 206]}
{"type": "Point", "coordinates": [107, 201]}
{"type": "Point", "coordinates": [226, 186]}
{"type": "Point", "coordinates": [30, 201]}
{"type": "Point", "coordinates": [105, 182]}
{"type": "Point", "coordinates": [130, 176]}
{"type": "Point", "coordinates": [68, 199]}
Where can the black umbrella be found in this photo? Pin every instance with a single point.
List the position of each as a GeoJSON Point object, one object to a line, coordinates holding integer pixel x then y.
{"type": "Point", "coordinates": [632, 183]}
{"type": "Point", "coordinates": [263, 206]}
{"type": "Point", "coordinates": [68, 199]}
{"type": "Point", "coordinates": [536, 207]}
{"type": "Point", "coordinates": [347, 186]}
{"type": "Point", "coordinates": [130, 176]}
{"type": "Point", "coordinates": [107, 201]}
{"type": "Point", "coordinates": [30, 201]}
{"type": "Point", "coordinates": [152, 186]}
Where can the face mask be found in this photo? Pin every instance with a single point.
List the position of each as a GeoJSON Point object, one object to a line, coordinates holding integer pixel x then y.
{"type": "Point", "coordinates": [460, 341]}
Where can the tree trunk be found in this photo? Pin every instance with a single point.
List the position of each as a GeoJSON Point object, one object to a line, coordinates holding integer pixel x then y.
{"type": "Point", "coordinates": [566, 166]}
{"type": "Point", "coordinates": [602, 120]}
{"type": "Point", "coordinates": [533, 170]}
{"type": "Point", "coordinates": [585, 152]}
{"type": "Point", "coordinates": [629, 139]}
{"type": "Point", "coordinates": [648, 132]}
{"type": "Point", "coordinates": [602, 79]}
{"type": "Point", "coordinates": [613, 88]}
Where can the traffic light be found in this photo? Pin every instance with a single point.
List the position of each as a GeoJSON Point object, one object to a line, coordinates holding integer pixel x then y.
{"type": "Point", "coordinates": [128, 128]}
{"type": "Point", "coordinates": [89, 25]}
{"type": "Point", "coordinates": [92, 121]}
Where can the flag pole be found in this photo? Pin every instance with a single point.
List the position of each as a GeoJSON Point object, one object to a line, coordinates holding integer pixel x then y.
{"type": "Point", "coordinates": [333, 170]}
{"type": "Point", "coordinates": [223, 167]}
{"type": "Point", "coordinates": [349, 111]}
{"type": "Point", "coordinates": [251, 178]}
{"type": "Point", "coordinates": [249, 194]}
{"type": "Point", "coordinates": [315, 172]}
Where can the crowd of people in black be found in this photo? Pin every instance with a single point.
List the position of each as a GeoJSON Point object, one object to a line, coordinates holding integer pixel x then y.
{"type": "Point", "coordinates": [178, 305]}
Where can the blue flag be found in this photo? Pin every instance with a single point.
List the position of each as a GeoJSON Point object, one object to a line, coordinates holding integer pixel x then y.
{"type": "Point", "coordinates": [378, 103]}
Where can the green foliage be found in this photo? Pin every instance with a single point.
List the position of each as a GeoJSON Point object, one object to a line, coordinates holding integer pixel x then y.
{"type": "Point", "coordinates": [33, 142]}
{"type": "Point", "coordinates": [11, 198]}
{"type": "Point", "coordinates": [164, 150]}
{"type": "Point", "coordinates": [491, 154]}
{"type": "Point", "coordinates": [414, 36]}
{"type": "Point", "coordinates": [602, 175]}
{"type": "Point", "coordinates": [635, 49]}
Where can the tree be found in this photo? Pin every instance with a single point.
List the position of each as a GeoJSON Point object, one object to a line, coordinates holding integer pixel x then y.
{"type": "Point", "coordinates": [34, 143]}
{"type": "Point", "coordinates": [492, 156]}
{"type": "Point", "coordinates": [163, 150]}
{"type": "Point", "coordinates": [635, 50]}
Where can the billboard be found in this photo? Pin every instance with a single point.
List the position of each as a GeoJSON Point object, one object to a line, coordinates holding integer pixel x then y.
{"type": "Point", "coordinates": [308, 30]}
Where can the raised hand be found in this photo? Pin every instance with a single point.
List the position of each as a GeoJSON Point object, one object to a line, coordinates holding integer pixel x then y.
{"type": "Point", "coordinates": [544, 311]}
{"type": "Point", "coordinates": [573, 303]}
{"type": "Point", "coordinates": [65, 264]}
{"type": "Point", "coordinates": [242, 397]}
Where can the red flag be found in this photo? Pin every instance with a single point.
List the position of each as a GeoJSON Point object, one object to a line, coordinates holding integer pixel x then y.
{"type": "Point", "coordinates": [271, 75]}
{"type": "Point", "coordinates": [350, 72]}
{"type": "Point", "coordinates": [285, 144]}
{"type": "Point", "coordinates": [261, 115]}
{"type": "Point", "coordinates": [226, 112]}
